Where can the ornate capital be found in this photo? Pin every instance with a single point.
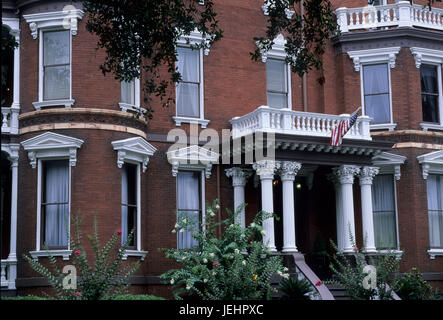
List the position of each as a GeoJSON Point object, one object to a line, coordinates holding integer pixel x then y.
{"type": "Point", "coordinates": [266, 168]}
{"type": "Point", "coordinates": [289, 170]}
{"type": "Point", "coordinates": [239, 176]}
{"type": "Point", "coordinates": [367, 174]}
{"type": "Point", "coordinates": [345, 173]}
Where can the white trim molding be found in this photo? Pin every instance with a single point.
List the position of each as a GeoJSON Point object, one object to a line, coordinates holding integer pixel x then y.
{"type": "Point", "coordinates": [369, 56]}
{"type": "Point", "coordinates": [134, 253]}
{"type": "Point", "coordinates": [194, 38]}
{"type": "Point", "coordinates": [53, 103]}
{"type": "Point", "coordinates": [435, 252]}
{"type": "Point", "coordinates": [192, 157]}
{"type": "Point", "coordinates": [278, 49]}
{"type": "Point", "coordinates": [431, 163]}
{"type": "Point", "coordinates": [67, 19]}
{"type": "Point", "coordinates": [424, 55]}
{"type": "Point", "coordinates": [265, 6]}
{"type": "Point", "coordinates": [51, 145]}
{"type": "Point", "coordinates": [179, 120]}
{"type": "Point", "coordinates": [48, 253]}
{"type": "Point", "coordinates": [389, 163]}
{"type": "Point", "coordinates": [133, 150]}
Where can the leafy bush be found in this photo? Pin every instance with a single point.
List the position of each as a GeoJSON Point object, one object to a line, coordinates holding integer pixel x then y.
{"type": "Point", "coordinates": [107, 278]}
{"type": "Point", "coordinates": [295, 289]}
{"type": "Point", "coordinates": [30, 297]}
{"type": "Point", "coordinates": [412, 286]}
{"type": "Point", "coordinates": [137, 297]}
{"type": "Point", "coordinates": [230, 267]}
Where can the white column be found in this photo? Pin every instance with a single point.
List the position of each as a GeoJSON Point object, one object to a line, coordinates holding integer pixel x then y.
{"type": "Point", "coordinates": [15, 108]}
{"type": "Point", "coordinates": [345, 175]}
{"type": "Point", "coordinates": [265, 170]}
{"type": "Point", "coordinates": [366, 176]}
{"type": "Point", "coordinates": [239, 178]}
{"type": "Point", "coordinates": [12, 271]}
{"type": "Point", "coordinates": [338, 211]}
{"type": "Point", "coordinates": [287, 174]}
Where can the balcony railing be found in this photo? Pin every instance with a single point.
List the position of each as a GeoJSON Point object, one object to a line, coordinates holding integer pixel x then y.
{"type": "Point", "coordinates": [401, 14]}
{"type": "Point", "coordinates": [8, 273]}
{"type": "Point", "coordinates": [10, 120]}
{"type": "Point", "coordinates": [287, 121]}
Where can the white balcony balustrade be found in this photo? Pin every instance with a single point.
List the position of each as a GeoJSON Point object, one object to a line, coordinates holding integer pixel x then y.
{"type": "Point", "coordinates": [8, 273]}
{"type": "Point", "coordinates": [10, 120]}
{"type": "Point", "coordinates": [287, 121]}
{"type": "Point", "coordinates": [401, 14]}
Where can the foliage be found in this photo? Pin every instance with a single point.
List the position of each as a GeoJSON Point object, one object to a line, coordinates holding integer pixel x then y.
{"type": "Point", "coordinates": [137, 297]}
{"type": "Point", "coordinates": [142, 34]}
{"type": "Point", "coordinates": [306, 34]}
{"type": "Point", "coordinates": [105, 279]}
{"type": "Point", "coordinates": [232, 266]}
{"type": "Point", "coordinates": [295, 289]}
{"type": "Point", "coordinates": [29, 297]}
{"type": "Point", "coordinates": [412, 286]}
{"type": "Point", "coordinates": [349, 272]}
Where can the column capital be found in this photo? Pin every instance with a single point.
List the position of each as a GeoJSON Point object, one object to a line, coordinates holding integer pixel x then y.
{"type": "Point", "coordinates": [289, 169]}
{"type": "Point", "coordinates": [367, 174]}
{"type": "Point", "coordinates": [239, 176]}
{"type": "Point", "coordinates": [266, 168]}
{"type": "Point", "coordinates": [345, 173]}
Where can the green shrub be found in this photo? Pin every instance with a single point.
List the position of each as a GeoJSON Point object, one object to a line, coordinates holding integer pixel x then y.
{"type": "Point", "coordinates": [137, 297]}
{"type": "Point", "coordinates": [105, 279]}
{"type": "Point", "coordinates": [295, 289]}
{"type": "Point", "coordinates": [30, 297]}
{"type": "Point", "coordinates": [229, 267]}
{"type": "Point", "coordinates": [412, 286]}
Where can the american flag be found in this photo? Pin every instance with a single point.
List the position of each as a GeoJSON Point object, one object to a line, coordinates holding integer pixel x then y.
{"type": "Point", "coordinates": [340, 130]}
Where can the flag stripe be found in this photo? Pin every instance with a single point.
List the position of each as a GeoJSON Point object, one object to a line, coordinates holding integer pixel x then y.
{"type": "Point", "coordinates": [342, 128]}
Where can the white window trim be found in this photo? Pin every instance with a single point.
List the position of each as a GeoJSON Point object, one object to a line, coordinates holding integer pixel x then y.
{"type": "Point", "coordinates": [432, 57]}
{"type": "Point", "coordinates": [435, 253]}
{"type": "Point", "coordinates": [136, 106]}
{"type": "Point", "coordinates": [51, 21]}
{"type": "Point", "coordinates": [265, 6]}
{"type": "Point", "coordinates": [192, 157]}
{"type": "Point", "coordinates": [431, 163]}
{"type": "Point", "coordinates": [278, 52]}
{"type": "Point", "coordinates": [376, 56]}
{"type": "Point", "coordinates": [50, 146]}
{"type": "Point", "coordinates": [194, 38]}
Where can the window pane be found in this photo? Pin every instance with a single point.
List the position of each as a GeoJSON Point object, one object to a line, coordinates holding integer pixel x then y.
{"type": "Point", "coordinates": [56, 47]}
{"type": "Point", "coordinates": [383, 206]}
{"type": "Point", "coordinates": [188, 100]}
{"type": "Point", "coordinates": [428, 79]}
{"type": "Point", "coordinates": [188, 205]}
{"type": "Point", "coordinates": [277, 100]}
{"type": "Point", "coordinates": [276, 75]}
{"type": "Point", "coordinates": [430, 108]}
{"type": "Point", "coordinates": [377, 107]}
{"type": "Point", "coordinates": [375, 79]}
{"type": "Point", "coordinates": [129, 201]}
{"type": "Point", "coordinates": [56, 83]}
{"type": "Point", "coordinates": [188, 64]}
{"type": "Point", "coordinates": [128, 92]}
{"type": "Point", "coordinates": [435, 210]}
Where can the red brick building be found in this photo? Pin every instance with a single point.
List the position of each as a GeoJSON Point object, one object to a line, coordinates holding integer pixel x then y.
{"type": "Point", "coordinates": [70, 142]}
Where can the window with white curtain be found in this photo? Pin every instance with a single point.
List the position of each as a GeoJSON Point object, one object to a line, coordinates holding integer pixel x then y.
{"type": "Point", "coordinates": [56, 65]}
{"type": "Point", "coordinates": [128, 92]}
{"type": "Point", "coordinates": [129, 202]}
{"type": "Point", "coordinates": [189, 205]}
{"type": "Point", "coordinates": [383, 206]}
{"type": "Point", "coordinates": [188, 89]}
{"type": "Point", "coordinates": [430, 92]}
{"type": "Point", "coordinates": [376, 90]}
{"type": "Point", "coordinates": [277, 83]}
{"type": "Point", "coordinates": [55, 203]}
{"type": "Point", "coordinates": [435, 210]}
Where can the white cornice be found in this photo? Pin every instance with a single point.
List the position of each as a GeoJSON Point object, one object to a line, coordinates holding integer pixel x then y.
{"type": "Point", "coordinates": [195, 38]}
{"type": "Point", "coordinates": [192, 157]}
{"type": "Point", "coordinates": [423, 55]}
{"type": "Point", "coordinates": [389, 163]}
{"type": "Point", "coordinates": [66, 19]}
{"type": "Point", "coordinates": [278, 49]}
{"type": "Point", "coordinates": [360, 57]}
{"type": "Point", "coordinates": [13, 25]}
{"type": "Point", "coordinates": [133, 150]}
{"type": "Point", "coordinates": [431, 163]}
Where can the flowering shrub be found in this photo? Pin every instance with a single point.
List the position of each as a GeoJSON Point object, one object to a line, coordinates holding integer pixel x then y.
{"type": "Point", "coordinates": [232, 266]}
{"type": "Point", "coordinates": [105, 279]}
{"type": "Point", "coordinates": [412, 286]}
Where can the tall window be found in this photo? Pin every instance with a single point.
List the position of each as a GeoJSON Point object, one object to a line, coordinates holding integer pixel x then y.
{"type": "Point", "coordinates": [188, 204]}
{"type": "Point", "coordinates": [55, 203]}
{"type": "Point", "coordinates": [429, 92]}
{"type": "Point", "coordinates": [188, 89]}
{"type": "Point", "coordinates": [435, 210]}
{"type": "Point", "coordinates": [56, 65]}
{"type": "Point", "coordinates": [376, 84]}
{"type": "Point", "coordinates": [383, 205]}
{"type": "Point", "coordinates": [129, 202]}
{"type": "Point", "coordinates": [277, 83]}
{"type": "Point", "coordinates": [128, 92]}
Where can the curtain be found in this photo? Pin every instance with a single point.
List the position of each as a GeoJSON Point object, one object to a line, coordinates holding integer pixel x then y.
{"type": "Point", "coordinates": [188, 89]}
{"type": "Point", "coordinates": [429, 89]}
{"type": "Point", "coordinates": [128, 92]}
{"type": "Point", "coordinates": [56, 202]}
{"type": "Point", "coordinates": [276, 82]}
{"type": "Point", "coordinates": [376, 90]}
{"type": "Point", "coordinates": [56, 53]}
{"type": "Point", "coordinates": [435, 210]}
{"type": "Point", "coordinates": [383, 206]}
{"type": "Point", "coordinates": [188, 204]}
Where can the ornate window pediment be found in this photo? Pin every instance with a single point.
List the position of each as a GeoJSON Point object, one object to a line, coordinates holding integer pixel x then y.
{"type": "Point", "coordinates": [389, 163]}
{"type": "Point", "coordinates": [360, 57]}
{"type": "Point", "coordinates": [431, 163]}
{"type": "Point", "coordinates": [192, 157]}
{"type": "Point", "coordinates": [133, 150]}
{"type": "Point", "coordinates": [195, 38]}
{"type": "Point", "coordinates": [278, 50]}
{"type": "Point", "coordinates": [423, 55]}
{"type": "Point", "coordinates": [51, 145]}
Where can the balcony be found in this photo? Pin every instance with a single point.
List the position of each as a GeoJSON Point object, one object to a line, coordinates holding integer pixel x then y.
{"type": "Point", "coordinates": [401, 14]}
{"type": "Point", "coordinates": [10, 120]}
{"type": "Point", "coordinates": [291, 122]}
{"type": "Point", "coordinates": [8, 273]}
